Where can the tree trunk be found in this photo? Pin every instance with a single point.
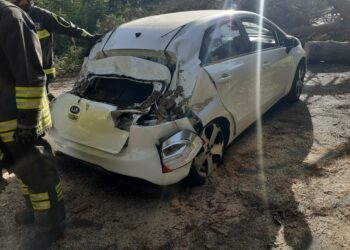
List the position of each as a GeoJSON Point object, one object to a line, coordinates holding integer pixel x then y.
{"type": "Point", "coordinates": [306, 30]}
{"type": "Point", "coordinates": [341, 6]}
{"type": "Point", "coordinates": [328, 51]}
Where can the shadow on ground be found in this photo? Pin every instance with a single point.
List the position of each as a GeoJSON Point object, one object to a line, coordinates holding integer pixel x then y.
{"type": "Point", "coordinates": [242, 206]}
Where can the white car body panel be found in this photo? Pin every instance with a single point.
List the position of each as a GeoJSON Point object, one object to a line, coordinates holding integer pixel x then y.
{"type": "Point", "coordinates": [140, 159]}
{"type": "Point", "coordinates": [225, 90]}
{"type": "Point", "coordinates": [207, 104]}
{"type": "Point", "coordinates": [80, 129]}
{"type": "Point", "coordinates": [236, 87]}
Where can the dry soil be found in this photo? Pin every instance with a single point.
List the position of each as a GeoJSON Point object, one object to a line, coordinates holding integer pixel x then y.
{"type": "Point", "coordinates": [299, 200]}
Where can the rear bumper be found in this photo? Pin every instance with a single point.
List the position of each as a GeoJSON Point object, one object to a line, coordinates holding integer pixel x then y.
{"type": "Point", "coordinates": [140, 159]}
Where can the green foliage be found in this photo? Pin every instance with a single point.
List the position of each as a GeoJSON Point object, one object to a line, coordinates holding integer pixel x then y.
{"type": "Point", "coordinates": [69, 62]}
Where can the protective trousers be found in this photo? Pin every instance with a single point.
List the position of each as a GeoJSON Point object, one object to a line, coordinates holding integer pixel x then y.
{"type": "Point", "coordinates": [35, 167]}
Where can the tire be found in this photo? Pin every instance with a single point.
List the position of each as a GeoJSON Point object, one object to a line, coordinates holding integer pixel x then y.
{"type": "Point", "coordinates": [298, 84]}
{"type": "Point", "coordinates": [209, 157]}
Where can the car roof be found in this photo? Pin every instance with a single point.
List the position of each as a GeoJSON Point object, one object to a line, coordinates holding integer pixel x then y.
{"type": "Point", "coordinates": [156, 32]}
{"type": "Point", "coordinates": [171, 21]}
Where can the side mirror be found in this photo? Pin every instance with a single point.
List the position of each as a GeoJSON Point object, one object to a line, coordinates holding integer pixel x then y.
{"type": "Point", "coordinates": [290, 43]}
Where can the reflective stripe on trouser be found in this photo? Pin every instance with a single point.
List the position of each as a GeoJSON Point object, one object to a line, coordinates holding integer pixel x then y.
{"type": "Point", "coordinates": [37, 170]}
{"type": "Point", "coordinates": [23, 187]}
{"type": "Point", "coordinates": [42, 201]}
{"type": "Point", "coordinates": [49, 209]}
{"type": "Point", "coordinates": [7, 131]}
{"type": "Point", "coordinates": [25, 191]}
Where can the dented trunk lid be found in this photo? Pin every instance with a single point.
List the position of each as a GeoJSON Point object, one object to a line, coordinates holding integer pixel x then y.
{"type": "Point", "coordinates": [128, 66]}
{"type": "Point", "coordinates": [87, 123]}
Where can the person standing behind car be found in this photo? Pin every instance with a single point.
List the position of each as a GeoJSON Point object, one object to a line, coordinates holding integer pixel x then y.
{"type": "Point", "coordinates": [24, 118]}
{"type": "Point", "coordinates": [48, 23]}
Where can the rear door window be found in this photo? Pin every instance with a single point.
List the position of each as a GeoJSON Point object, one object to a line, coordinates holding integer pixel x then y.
{"type": "Point", "coordinates": [221, 43]}
{"type": "Point", "coordinates": [268, 37]}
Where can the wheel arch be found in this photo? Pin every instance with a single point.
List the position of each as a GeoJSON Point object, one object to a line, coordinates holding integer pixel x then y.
{"type": "Point", "coordinates": [302, 61]}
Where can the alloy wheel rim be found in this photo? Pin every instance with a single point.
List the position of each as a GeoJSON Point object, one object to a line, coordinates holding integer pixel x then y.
{"type": "Point", "coordinates": [212, 151]}
{"type": "Point", "coordinates": [300, 81]}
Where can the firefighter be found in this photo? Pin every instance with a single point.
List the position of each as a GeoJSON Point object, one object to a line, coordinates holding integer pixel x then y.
{"type": "Point", "coordinates": [24, 118]}
{"type": "Point", "coordinates": [46, 24]}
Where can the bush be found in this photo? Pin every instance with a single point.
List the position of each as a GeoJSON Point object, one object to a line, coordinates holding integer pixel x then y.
{"type": "Point", "coordinates": [69, 63]}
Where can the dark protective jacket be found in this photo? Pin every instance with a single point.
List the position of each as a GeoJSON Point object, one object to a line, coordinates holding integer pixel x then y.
{"type": "Point", "coordinates": [48, 23]}
{"type": "Point", "coordinates": [23, 100]}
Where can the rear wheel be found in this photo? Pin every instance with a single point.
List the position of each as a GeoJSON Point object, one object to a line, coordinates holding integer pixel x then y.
{"type": "Point", "coordinates": [298, 84]}
{"type": "Point", "coordinates": [209, 157]}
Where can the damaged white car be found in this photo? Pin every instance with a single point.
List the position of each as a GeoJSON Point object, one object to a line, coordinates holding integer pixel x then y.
{"type": "Point", "coordinates": [160, 98]}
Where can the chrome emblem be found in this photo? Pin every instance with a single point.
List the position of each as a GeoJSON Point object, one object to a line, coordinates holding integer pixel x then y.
{"type": "Point", "coordinates": [74, 110]}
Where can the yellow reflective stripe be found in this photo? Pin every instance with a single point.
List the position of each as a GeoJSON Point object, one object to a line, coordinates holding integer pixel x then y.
{"type": "Point", "coordinates": [7, 137]}
{"type": "Point", "coordinates": [42, 205]}
{"type": "Point", "coordinates": [43, 34]}
{"type": "Point", "coordinates": [45, 112]}
{"type": "Point", "coordinates": [29, 103]}
{"type": "Point", "coordinates": [30, 88]}
{"type": "Point", "coordinates": [51, 71]}
{"type": "Point", "coordinates": [39, 197]}
{"type": "Point", "coordinates": [24, 190]}
{"type": "Point", "coordinates": [59, 197]}
{"type": "Point", "coordinates": [1, 155]}
{"type": "Point", "coordinates": [57, 18]}
{"type": "Point", "coordinates": [20, 183]}
{"type": "Point", "coordinates": [8, 125]}
{"type": "Point", "coordinates": [31, 92]}
{"type": "Point", "coordinates": [84, 33]}
{"type": "Point", "coordinates": [59, 192]}
{"type": "Point", "coordinates": [44, 123]}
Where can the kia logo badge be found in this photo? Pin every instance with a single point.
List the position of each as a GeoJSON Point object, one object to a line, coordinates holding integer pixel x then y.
{"type": "Point", "coordinates": [75, 110]}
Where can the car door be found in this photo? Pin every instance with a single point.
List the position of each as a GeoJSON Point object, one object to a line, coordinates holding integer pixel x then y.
{"type": "Point", "coordinates": [275, 63]}
{"type": "Point", "coordinates": [224, 57]}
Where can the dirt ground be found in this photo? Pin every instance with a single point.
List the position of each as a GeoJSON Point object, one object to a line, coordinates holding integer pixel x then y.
{"type": "Point", "coordinates": [300, 200]}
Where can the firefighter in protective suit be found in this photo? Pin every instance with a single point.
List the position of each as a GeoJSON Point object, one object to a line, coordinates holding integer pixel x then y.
{"type": "Point", "coordinates": [48, 23]}
{"type": "Point", "coordinates": [24, 118]}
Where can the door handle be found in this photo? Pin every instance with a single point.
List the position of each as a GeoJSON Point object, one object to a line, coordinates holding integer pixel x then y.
{"type": "Point", "coordinates": [266, 63]}
{"type": "Point", "coordinates": [225, 77]}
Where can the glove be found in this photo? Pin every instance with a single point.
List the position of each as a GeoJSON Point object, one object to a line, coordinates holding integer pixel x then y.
{"type": "Point", "coordinates": [95, 38]}
{"type": "Point", "coordinates": [26, 136]}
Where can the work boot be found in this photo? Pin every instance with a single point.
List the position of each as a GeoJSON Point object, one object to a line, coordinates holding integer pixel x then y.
{"type": "Point", "coordinates": [50, 222]}
{"type": "Point", "coordinates": [48, 231]}
{"type": "Point", "coordinates": [44, 240]}
{"type": "Point", "coordinates": [26, 216]}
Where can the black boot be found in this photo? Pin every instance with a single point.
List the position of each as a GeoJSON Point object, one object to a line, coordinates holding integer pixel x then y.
{"type": "Point", "coordinates": [50, 223]}
{"type": "Point", "coordinates": [26, 216]}
{"type": "Point", "coordinates": [44, 240]}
